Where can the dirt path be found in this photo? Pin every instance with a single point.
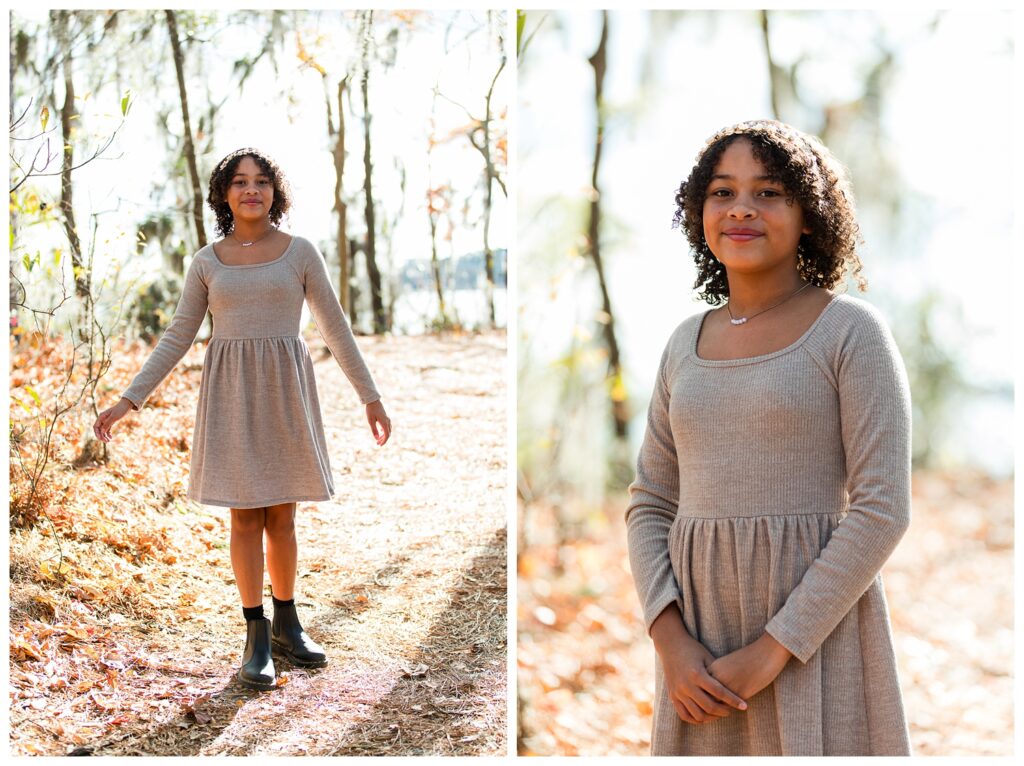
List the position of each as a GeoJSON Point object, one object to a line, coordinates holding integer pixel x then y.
{"type": "Point", "coordinates": [402, 578]}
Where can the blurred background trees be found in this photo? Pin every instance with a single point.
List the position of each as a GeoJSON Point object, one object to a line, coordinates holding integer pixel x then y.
{"type": "Point", "coordinates": [606, 142]}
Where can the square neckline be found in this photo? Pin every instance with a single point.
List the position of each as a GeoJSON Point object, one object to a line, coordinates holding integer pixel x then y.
{"type": "Point", "coordinates": [291, 244]}
{"type": "Point", "coordinates": [760, 357]}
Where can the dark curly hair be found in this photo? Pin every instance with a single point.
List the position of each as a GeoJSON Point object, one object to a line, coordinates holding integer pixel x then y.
{"type": "Point", "coordinates": [221, 177]}
{"type": "Point", "coordinates": [810, 174]}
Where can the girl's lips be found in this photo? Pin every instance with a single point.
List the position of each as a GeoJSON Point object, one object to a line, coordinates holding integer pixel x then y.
{"type": "Point", "coordinates": [742, 236]}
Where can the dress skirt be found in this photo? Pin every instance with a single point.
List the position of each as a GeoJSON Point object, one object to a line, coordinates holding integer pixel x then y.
{"type": "Point", "coordinates": [255, 446]}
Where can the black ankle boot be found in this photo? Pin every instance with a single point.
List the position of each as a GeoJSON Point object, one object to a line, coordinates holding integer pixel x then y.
{"type": "Point", "coordinates": [291, 640]}
{"type": "Point", "coordinates": [257, 671]}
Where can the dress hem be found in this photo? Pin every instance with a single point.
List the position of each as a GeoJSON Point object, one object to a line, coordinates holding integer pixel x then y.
{"type": "Point", "coordinates": [263, 503]}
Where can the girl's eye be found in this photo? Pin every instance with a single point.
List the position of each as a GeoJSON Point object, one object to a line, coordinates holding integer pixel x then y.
{"type": "Point", "coordinates": [721, 193]}
{"type": "Point", "coordinates": [771, 193]}
{"type": "Point", "coordinates": [264, 182]}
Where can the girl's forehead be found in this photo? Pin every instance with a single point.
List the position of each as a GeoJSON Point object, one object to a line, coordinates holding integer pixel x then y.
{"type": "Point", "coordinates": [247, 161]}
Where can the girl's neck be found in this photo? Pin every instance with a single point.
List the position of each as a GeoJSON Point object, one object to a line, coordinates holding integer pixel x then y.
{"type": "Point", "coordinates": [245, 231]}
{"type": "Point", "coordinates": [751, 292]}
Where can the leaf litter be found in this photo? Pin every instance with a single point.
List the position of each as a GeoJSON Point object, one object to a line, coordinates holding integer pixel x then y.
{"type": "Point", "coordinates": [126, 641]}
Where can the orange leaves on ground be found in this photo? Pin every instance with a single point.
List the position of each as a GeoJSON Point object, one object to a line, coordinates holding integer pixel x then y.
{"type": "Point", "coordinates": [580, 653]}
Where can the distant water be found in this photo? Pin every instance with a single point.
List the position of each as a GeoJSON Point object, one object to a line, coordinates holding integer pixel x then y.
{"type": "Point", "coordinates": [415, 310]}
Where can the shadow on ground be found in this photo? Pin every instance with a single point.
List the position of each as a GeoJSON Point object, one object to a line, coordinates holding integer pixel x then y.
{"type": "Point", "coordinates": [439, 708]}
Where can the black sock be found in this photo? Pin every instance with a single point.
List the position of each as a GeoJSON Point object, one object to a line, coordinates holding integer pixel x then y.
{"type": "Point", "coordinates": [278, 603]}
{"type": "Point", "coordinates": [253, 612]}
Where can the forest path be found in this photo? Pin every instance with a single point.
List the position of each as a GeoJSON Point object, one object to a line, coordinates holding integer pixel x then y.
{"type": "Point", "coordinates": [402, 579]}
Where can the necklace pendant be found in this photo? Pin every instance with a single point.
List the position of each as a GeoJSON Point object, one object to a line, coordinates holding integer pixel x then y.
{"type": "Point", "coordinates": [247, 244]}
{"type": "Point", "coordinates": [741, 320]}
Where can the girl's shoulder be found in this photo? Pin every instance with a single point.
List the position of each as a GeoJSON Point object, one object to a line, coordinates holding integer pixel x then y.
{"type": "Point", "coordinates": [848, 315]}
{"type": "Point", "coordinates": [303, 249]}
{"type": "Point", "coordinates": [683, 339]}
{"type": "Point", "coordinates": [852, 325]}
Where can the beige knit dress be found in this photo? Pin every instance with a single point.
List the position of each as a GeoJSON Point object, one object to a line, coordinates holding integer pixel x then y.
{"type": "Point", "coordinates": [769, 493]}
{"type": "Point", "coordinates": [259, 438]}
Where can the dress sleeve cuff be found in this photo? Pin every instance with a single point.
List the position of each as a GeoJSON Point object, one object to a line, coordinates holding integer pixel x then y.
{"type": "Point", "coordinates": [134, 401]}
{"type": "Point", "coordinates": [799, 648]}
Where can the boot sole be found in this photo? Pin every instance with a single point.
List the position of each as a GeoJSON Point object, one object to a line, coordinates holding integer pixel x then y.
{"type": "Point", "coordinates": [254, 684]}
{"type": "Point", "coordinates": [281, 651]}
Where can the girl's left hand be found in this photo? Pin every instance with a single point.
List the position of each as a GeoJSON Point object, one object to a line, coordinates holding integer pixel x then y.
{"type": "Point", "coordinates": [750, 669]}
{"type": "Point", "coordinates": [376, 416]}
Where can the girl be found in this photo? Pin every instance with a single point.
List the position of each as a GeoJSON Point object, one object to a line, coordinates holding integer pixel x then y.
{"type": "Point", "coordinates": [774, 477]}
{"type": "Point", "coordinates": [258, 445]}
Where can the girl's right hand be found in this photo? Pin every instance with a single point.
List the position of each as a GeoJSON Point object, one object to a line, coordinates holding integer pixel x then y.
{"type": "Point", "coordinates": [696, 696]}
{"type": "Point", "coordinates": [110, 416]}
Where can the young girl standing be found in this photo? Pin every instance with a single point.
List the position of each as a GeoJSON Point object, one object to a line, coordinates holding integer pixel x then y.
{"type": "Point", "coordinates": [774, 477]}
{"type": "Point", "coordinates": [259, 445]}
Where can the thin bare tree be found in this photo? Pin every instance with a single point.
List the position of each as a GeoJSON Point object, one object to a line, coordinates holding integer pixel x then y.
{"type": "Point", "coordinates": [376, 297]}
{"type": "Point", "coordinates": [599, 62]}
{"type": "Point", "coordinates": [190, 149]}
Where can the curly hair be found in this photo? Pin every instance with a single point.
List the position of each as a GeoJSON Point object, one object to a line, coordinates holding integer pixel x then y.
{"type": "Point", "coordinates": [812, 177]}
{"type": "Point", "coordinates": [221, 178]}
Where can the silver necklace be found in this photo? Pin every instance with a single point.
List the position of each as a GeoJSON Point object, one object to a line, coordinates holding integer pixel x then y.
{"type": "Point", "coordinates": [741, 320]}
{"type": "Point", "coordinates": [253, 242]}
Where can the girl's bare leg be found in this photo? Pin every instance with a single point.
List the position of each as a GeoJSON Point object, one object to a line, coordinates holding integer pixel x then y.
{"type": "Point", "coordinates": [282, 550]}
{"type": "Point", "coordinates": [247, 553]}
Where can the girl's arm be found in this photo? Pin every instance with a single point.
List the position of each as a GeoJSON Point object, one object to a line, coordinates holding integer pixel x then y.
{"type": "Point", "coordinates": [176, 340]}
{"type": "Point", "coordinates": [654, 500]}
{"type": "Point", "coordinates": [874, 402]}
{"type": "Point", "coordinates": [334, 326]}
{"type": "Point", "coordinates": [695, 695]}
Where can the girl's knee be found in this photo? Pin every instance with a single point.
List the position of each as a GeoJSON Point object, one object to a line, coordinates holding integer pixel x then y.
{"type": "Point", "coordinates": [281, 520]}
{"type": "Point", "coordinates": [248, 520]}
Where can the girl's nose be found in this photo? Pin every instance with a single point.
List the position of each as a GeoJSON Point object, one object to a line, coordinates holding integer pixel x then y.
{"type": "Point", "coordinates": [741, 209]}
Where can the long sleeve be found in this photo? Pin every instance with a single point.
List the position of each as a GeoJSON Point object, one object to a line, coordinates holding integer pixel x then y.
{"type": "Point", "coordinates": [335, 328]}
{"type": "Point", "coordinates": [654, 500]}
{"type": "Point", "coordinates": [177, 338]}
{"type": "Point", "coordinates": [874, 406]}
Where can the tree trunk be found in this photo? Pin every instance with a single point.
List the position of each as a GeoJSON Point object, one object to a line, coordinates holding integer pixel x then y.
{"type": "Point", "coordinates": [376, 299]}
{"type": "Point", "coordinates": [190, 150]}
{"type": "Point", "coordinates": [774, 74]}
{"type": "Point", "coordinates": [489, 177]}
{"type": "Point", "coordinates": [344, 294]}
{"type": "Point", "coordinates": [618, 404]}
{"type": "Point", "coordinates": [353, 314]}
{"type": "Point", "coordinates": [435, 265]}
{"type": "Point", "coordinates": [67, 111]}
{"type": "Point", "coordinates": [434, 201]}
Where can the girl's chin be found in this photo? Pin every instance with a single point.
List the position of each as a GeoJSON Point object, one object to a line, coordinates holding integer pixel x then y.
{"type": "Point", "coordinates": [753, 265]}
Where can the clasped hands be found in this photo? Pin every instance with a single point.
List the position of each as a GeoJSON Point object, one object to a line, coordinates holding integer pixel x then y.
{"type": "Point", "coordinates": [703, 688]}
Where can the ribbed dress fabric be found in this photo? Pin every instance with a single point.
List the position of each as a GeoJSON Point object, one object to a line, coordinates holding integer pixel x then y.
{"type": "Point", "coordinates": [769, 492]}
{"type": "Point", "coordinates": [259, 437]}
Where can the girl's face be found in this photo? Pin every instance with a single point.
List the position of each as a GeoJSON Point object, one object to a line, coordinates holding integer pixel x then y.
{"type": "Point", "coordinates": [750, 222]}
{"type": "Point", "coordinates": [250, 193]}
